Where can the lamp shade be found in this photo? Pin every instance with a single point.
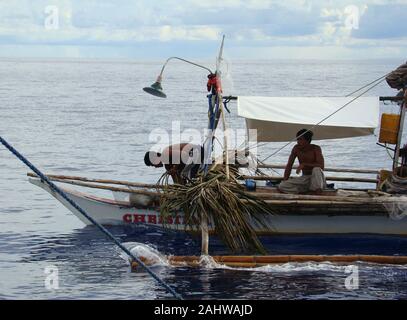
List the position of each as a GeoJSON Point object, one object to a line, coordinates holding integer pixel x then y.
{"type": "Point", "coordinates": [156, 90]}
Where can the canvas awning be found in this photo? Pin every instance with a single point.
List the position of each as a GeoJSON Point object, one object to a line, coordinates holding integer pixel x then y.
{"type": "Point", "coordinates": [280, 118]}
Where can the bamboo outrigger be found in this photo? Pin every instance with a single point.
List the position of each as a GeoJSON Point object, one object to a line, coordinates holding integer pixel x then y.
{"type": "Point", "coordinates": [261, 261]}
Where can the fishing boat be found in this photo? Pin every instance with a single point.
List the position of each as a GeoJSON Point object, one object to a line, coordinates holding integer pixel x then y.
{"type": "Point", "coordinates": [364, 212]}
{"type": "Point", "coordinates": [378, 210]}
{"type": "Point", "coordinates": [334, 211]}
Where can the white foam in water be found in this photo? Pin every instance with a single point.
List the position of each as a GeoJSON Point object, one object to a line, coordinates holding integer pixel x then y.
{"type": "Point", "coordinates": [208, 262]}
{"type": "Point", "coordinates": [299, 267]}
{"type": "Point", "coordinates": [292, 267]}
{"type": "Point", "coordinates": [155, 257]}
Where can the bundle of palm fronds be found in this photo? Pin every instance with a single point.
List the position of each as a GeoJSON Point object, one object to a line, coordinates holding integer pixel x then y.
{"type": "Point", "coordinates": [223, 202]}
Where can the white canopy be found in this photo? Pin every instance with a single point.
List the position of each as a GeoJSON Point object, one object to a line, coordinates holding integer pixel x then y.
{"type": "Point", "coordinates": [280, 118]}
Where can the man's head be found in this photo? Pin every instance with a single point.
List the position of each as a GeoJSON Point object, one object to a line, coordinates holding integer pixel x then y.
{"type": "Point", "coordinates": [152, 158]}
{"type": "Point", "coordinates": [304, 137]}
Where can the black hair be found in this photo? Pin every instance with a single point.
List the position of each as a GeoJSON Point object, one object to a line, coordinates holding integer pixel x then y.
{"type": "Point", "coordinates": [148, 155]}
{"type": "Point", "coordinates": [306, 134]}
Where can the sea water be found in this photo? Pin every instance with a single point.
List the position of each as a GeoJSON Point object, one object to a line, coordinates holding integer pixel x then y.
{"type": "Point", "coordinates": [91, 118]}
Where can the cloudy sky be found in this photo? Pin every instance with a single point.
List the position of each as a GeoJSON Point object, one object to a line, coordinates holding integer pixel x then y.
{"type": "Point", "coordinates": [254, 29]}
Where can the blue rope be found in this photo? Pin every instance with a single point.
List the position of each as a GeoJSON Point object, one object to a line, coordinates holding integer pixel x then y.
{"type": "Point", "coordinates": [101, 228]}
{"type": "Point", "coordinates": [212, 112]}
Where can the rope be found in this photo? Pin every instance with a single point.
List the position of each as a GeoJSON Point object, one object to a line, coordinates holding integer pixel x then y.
{"type": "Point", "coordinates": [381, 78]}
{"type": "Point", "coordinates": [99, 226]}
{"type": "Point", "coordinates": [388, 153]}
{"type": "Point", "coordinates": [327, 117]}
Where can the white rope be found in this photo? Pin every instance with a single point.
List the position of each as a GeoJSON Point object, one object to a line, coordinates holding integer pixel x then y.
{"type": "Point", "coordinates": [381, 78]}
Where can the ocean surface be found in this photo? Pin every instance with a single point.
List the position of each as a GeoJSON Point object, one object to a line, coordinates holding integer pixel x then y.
{"type": "Point", "coordinates": [91, 118]}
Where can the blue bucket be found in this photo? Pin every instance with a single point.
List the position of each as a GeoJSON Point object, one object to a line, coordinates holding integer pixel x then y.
{"type": "Point", "coordinates": [250, 185]}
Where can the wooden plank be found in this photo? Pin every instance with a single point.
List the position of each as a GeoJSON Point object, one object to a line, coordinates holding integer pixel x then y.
{"type": "Point", "coordinates": [313, 203]}
{"type": "Point", "coordinates": [286, 196]}
{"type": "Point", "coordinates": [327, 169]}
{"type": "Point", "coordinates": [345, 179]}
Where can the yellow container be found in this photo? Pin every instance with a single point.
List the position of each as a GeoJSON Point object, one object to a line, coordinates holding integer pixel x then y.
{"type": "Point", "coordinates": [389, 128]}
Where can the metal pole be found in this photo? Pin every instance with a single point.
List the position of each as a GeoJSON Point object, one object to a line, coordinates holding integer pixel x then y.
{"type": "Point", "coordinates": [181, 59]}
{"type": "Point", "coordinates": [400, 133]}
{"type": "Point", "coordinates": [222, 109]}
{"type": "Point", "coordinates": [204, 221]}
{"type": "Point", "coordinates": [205, 237]}
{"type": "Point", "coordinates": [225, 138]}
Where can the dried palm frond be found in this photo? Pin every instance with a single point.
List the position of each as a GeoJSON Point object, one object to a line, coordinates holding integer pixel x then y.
{"type": "Point", "coordinates": [221, 201]}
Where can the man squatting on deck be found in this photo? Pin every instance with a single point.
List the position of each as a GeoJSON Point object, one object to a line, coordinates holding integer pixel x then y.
{"type": "Point", "coordinates": [181, 161]}
{"type": "Point", "coordinates": [311, 164]}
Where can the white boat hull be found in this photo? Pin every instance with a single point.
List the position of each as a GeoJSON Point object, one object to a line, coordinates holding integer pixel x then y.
{"type": "Point", "coordinates": [108, 212]}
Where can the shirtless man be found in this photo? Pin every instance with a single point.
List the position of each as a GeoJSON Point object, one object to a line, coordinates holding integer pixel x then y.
{"type": "Point", "coordinates": [176, 159]}
{"type": "Point", "coordinates": [311, 164]}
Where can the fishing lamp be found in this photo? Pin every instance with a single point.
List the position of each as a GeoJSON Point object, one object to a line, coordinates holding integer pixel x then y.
{"type": "Point", "coordinates": [156, 89]}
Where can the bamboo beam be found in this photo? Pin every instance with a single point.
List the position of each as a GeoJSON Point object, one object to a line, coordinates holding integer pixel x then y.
{"type": "Point", "coordinates": [325, 206]}
{"type": "Point", "coordinates": [103, 181]}
{"type": "Point", "coordinates": [271, 198]}
{"type": "Point", "coordinates": [311, 202]}
{"type": "Point", "coordinates": [346, 179]}
{"type": "Point", "coordinates": [286, 196]}
{"type": "Point", "coordinates": [268, 197]}
{"type": "Point", "coordinates": [327, 169]}
{"type": "Point", "coordinates": [260, 261]}
{"type": "Point", "coordinates": [205, 237]}
{"type": "Point", "coordinates": [102, 187]}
